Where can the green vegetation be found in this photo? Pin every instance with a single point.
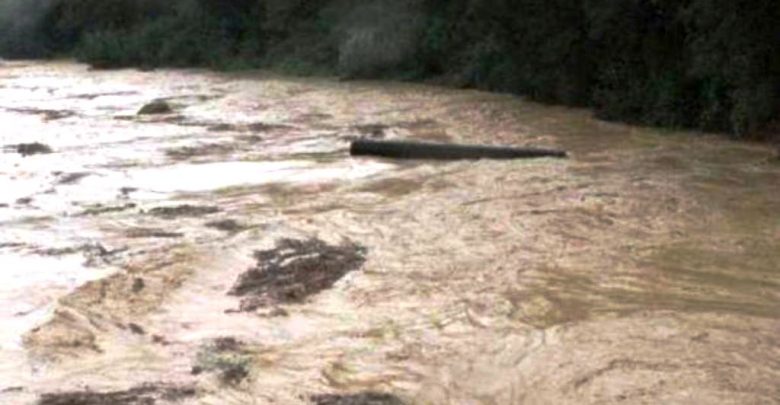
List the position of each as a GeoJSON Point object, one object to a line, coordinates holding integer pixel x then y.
{"type": "Point", "coordinates": [712, 65]}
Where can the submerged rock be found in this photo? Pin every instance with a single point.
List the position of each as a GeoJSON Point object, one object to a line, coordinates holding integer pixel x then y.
{"type": "Point", "coordinates": [265, 127]}
{"type": "Point", "coordinates": [187, 152]}
{"type": "Point", "coordinates": [29, 149]}
{"type": "Point", "coordinates": [100, 209]}
{"type": "Point", "coordinates": [156, 107]}
{"type": "Point", "coordinates": [182, 211]}
{"type": "Point", "coordinates": [136, 328]}
{"type": "Point", "coordinates": [227, 225]}
{"type": "Point", "coordinates": [222, 127]}
{"type": "Point", "coordinates": [71, 178]}
{"type": "Point", "coordinates": [147, 233]}
{"type": "Point", "coordinates": [375, 131]}
{"type": "Point", "coordinates": [46, 114]}
{"type": "Point", "coordinates": [138, 285]}
{"type": "Point", "coordinates": [125, 192]}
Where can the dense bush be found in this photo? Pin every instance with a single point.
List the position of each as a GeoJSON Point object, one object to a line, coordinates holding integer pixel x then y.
{"type": "Point", "coordinates": [377, 37]}
{"type": "Point", "coordinates": [22, 28]}
{"type": "Point", "coordinates": [184, 33]}
{"type": "Point", "coordinates": [706, 64]}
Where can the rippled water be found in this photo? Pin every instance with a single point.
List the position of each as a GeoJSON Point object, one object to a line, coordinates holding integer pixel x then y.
{"type": "Point", "coordinates": [642, 269]}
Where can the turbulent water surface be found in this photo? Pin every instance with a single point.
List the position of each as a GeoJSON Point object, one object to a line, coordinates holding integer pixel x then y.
{"type": "Point", "coordinates": [643, 269]}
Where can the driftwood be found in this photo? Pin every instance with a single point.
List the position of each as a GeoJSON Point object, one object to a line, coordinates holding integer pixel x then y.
{"type": "Point", "coordinates": [441, 151]}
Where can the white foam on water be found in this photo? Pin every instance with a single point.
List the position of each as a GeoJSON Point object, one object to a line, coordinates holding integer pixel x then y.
{"type": "Point", "coordinates": [29, 287]}
{"type": "Point", "coordinates": [100, 136]}
{"type": "Point", "coordinates": [221, 175]}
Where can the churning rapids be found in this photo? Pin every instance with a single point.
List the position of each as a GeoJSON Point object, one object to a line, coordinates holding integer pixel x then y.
{"type": "Point", "coordinates": [644, 269]}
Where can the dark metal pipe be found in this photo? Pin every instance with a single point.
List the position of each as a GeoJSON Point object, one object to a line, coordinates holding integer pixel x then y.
{"type": "Point", "coordinates": [441, 151]}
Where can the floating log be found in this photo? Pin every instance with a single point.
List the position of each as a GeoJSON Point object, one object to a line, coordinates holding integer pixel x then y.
{"type": "Point", "coordinates": [442, 151]}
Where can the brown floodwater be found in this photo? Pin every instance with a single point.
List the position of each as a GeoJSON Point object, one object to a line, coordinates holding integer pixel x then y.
{"type": "Point", "coordinates": [643, 269]}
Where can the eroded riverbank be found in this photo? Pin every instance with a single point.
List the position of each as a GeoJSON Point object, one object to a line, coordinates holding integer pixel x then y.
{"type": "Point", "coordinates": [642, 269]}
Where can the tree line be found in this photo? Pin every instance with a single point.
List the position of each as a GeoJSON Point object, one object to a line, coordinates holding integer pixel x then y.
{"type": "Point", "coordinates": [712, 65]}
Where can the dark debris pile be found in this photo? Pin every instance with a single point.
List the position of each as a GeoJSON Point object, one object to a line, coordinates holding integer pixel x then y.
{"type": "Point", "coordinates": [147, 394]}
{"type": "Point", "coordinates": [294, 270]}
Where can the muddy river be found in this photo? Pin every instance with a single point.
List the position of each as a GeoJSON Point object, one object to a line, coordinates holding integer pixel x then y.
{"type": "Point", "coordinates": [229, 251]}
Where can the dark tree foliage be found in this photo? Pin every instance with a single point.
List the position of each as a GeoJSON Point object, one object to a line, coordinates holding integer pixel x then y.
{"type": "Point", "coordinates": [706, 64]}
{"type": "Point", "coordinates": [22, 28]}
